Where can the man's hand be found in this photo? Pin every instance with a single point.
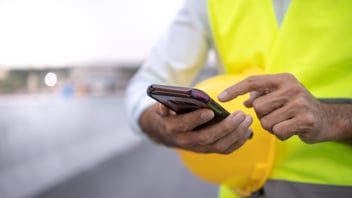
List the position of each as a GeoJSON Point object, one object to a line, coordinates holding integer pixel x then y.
{"type": "Point", "coordinates": [178, 130]}
{"type": "Point", "coordinates": [286, 108]}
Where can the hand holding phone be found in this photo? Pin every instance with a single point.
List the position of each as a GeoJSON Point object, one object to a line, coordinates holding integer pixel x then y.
{"type": "Point", "coordinates": [186, 99]}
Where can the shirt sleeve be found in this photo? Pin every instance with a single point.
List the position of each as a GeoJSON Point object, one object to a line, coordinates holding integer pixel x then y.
{"type": "Point", "coordinates": [176, 59]}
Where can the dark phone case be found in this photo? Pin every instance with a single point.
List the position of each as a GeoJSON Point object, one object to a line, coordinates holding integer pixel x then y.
{"type": "Point", "coordinates": [186, 99]}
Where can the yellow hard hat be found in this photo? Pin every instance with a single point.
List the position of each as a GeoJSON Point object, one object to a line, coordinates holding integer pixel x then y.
{"type": "Point", "coordinates": [245, 169]}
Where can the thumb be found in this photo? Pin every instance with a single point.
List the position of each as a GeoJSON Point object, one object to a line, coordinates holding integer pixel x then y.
{"type": "Point", "coordinates": [161, 109]}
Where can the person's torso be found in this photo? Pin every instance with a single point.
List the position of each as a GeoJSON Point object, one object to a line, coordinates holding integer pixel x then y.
{"type": "Point", "coordinates": [313, 43]}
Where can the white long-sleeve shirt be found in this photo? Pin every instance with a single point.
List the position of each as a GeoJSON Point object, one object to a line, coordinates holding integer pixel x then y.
{"type": "Point", "coordinates": [179, 56]}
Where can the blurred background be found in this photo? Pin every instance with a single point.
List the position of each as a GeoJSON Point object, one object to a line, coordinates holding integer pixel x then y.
{"type": "Point", "coordinates": [64, 65]}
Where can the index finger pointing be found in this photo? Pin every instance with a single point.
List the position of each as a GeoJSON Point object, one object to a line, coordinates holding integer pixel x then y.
{"type": "Point", "coordinates": [262, 83]}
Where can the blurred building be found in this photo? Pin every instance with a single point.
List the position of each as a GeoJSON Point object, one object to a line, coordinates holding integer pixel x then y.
{"type": "Point", "coordinates": [88, 80]}
{"type": "Point", "coordinates": [3, 73]}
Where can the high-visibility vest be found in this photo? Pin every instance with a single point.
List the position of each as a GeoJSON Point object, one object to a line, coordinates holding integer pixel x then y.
{"type": "Point", "coordinates": [314, 43]}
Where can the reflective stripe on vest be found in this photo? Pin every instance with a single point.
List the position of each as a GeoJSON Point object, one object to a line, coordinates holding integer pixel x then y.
{"type": "Point", "coordinates": [315, 44]}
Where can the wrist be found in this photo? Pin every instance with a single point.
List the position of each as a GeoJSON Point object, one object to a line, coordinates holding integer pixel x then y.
{"type": "Point", "coordinates": [339, 122]}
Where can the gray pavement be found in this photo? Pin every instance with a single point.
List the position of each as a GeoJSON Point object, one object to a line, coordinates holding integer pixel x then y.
{"type": "Point", "coordinates": [81, 146]}
{"type": "Point", "coordinates": [144, 171]}
{"type": "Point", "coordinates": [46, 139]}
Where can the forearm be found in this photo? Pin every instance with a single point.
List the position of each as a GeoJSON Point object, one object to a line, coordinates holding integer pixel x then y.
{"type": "Point", "coordinates": [175, 59]}
{"type": "Point", "coordinates": [339, 116]}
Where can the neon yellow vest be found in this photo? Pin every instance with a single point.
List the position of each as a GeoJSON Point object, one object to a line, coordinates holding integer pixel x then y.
{"type": "Point", "coordinates": [314, 43]}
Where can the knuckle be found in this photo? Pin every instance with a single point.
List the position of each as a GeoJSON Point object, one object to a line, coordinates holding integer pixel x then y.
{"type": "Point", "coordinates": [280, 136]}
{"type": "Point", "coordinates": [177, 127]}
{"type": "Point", "coordinates": [182, 126]}
{"type": "Point", "coordinates": [204, 139]}
{"type": "Point", "coordinates": [251, 80]}
{"type": "Point", "coordinates": [306, 123]}
{"type": "Point", "coordinates": [309, 120]}
{"type": "Point", "coordinates": [294, 89]}
{"type": "Point", "coordinates": [266, 124]}
{"type": "Point", "coordinates": [171, 129]}
{"type": "Point", "coordinates": [299, 103]}
{"type": "Point", "coordinates": [305, 137]}
{"type": "Point", "coordinates": [299, 91]}
{"type": "Point", "coordinates": [220, 148]}
{"type": "Point", "coordinates": [182, 142]}
{"type": "Point", "coordinates": [288, 76]}
{"type": "Point", "coordinates": [256, 106]}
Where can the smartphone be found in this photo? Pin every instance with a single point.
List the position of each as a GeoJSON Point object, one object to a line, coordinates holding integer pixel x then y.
{"type": "Point", "coordinates": [186, 99]}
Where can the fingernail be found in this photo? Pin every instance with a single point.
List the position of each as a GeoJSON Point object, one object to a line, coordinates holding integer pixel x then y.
{"type": "Point", "coordinates": [162, 111]}
{"type": "Point", "coordinates": [206, 115]}
{"type": "Point", "coordinates": [239, 117]}
{"type": "Point", "coordinates": [222, 95]}
{"type": "Point", "coordinates": [248, 121]}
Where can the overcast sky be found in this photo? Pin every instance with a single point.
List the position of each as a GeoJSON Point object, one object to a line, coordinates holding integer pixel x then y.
{"type": "Point", "coordinates": [42, 33]}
